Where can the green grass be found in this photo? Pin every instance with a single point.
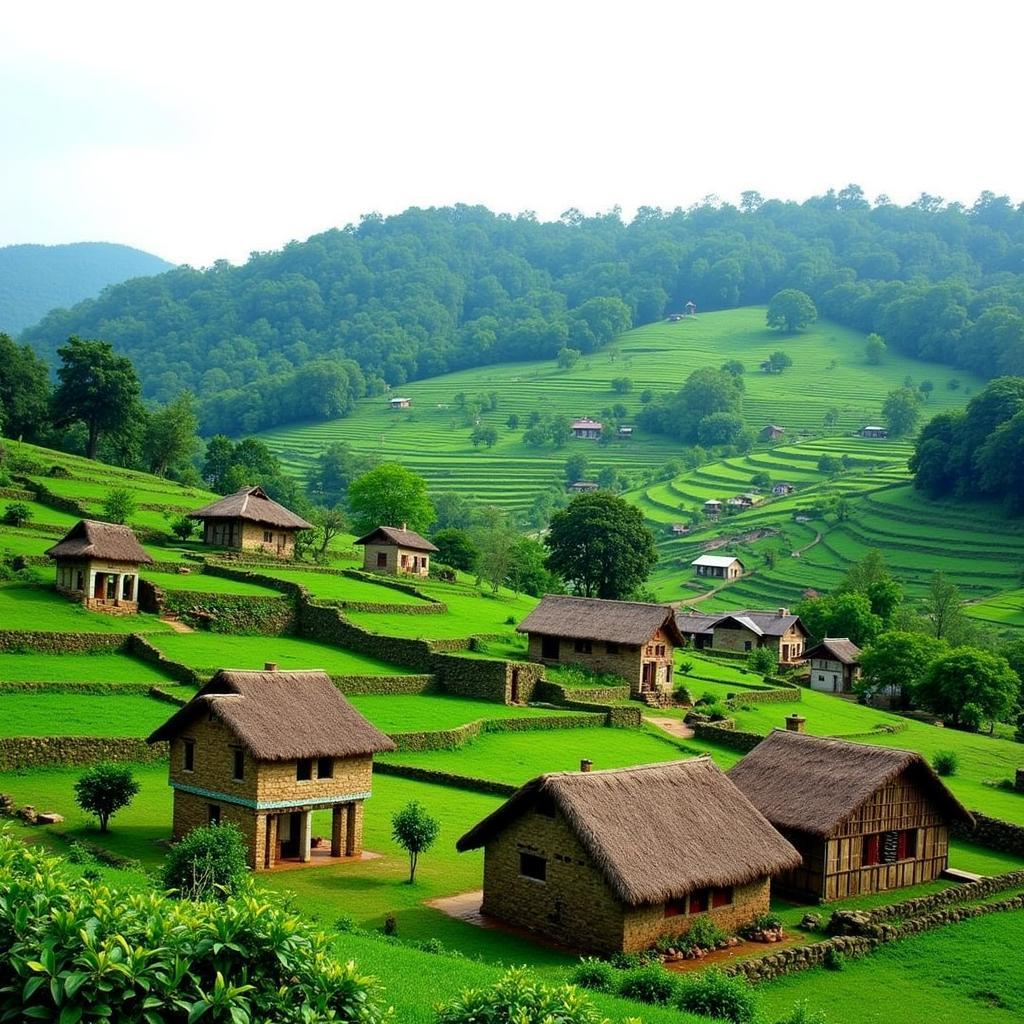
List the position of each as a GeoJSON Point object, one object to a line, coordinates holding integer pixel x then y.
{"type": "Point", "coordinates": [428, 712]}
{"type": "Point", "coordinates": [211, 651]}
{"type": "Point", "coordinates": [330, 587]}
{"type": "Point", "coordinates": [79, 668]}
{"type": "Point", "coordinates": [201, 583]}
{"type": "Point", "coordinates": [1005, 610]}
{"type": "Point", "coordinates": [77, 714]}
{"type": "Point", "coordinates": [41, 609]}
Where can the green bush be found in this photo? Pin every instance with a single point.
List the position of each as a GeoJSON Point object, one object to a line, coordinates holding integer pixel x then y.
{"type": "Point", "coordinates": [715, 994]}
{"type": "Point", "coordinates": [593, 973]}
{"type": "Point", "coordinates": [88, 951]}
{"type": "Point", "coordinates": [119, 505]}
{"type": "Point", "coordinates": [716, 712]}
{"type": "Point", "coordinates": [803, 1014]}
{"type": "Point", "coordinates": [763, 660]}
{"type": "Point", "coordinates": [761, 923]}
{"type": "Point", "coordinates": [705, 934]}
{"type": "Point", "coordinates": [104, 789]}
{"type": "Point", "coordinates": [971, 717]}
{"type": "Point", "coordinates": [834, 960]}
{"type": "Point", "coordinates": [651, 984]}
{"type": "Point", "coordinates": [682, 695]}
{"type": "Point", "coordinates": [210, 862]}
{"type": "Point", "coordinates": [945, 762]}
{"type": "Point", "coordinates": [17, 514]}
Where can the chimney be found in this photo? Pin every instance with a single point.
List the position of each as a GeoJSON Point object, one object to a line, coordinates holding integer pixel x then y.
{"type": "Point", "coordinates": [404, 527]}
{"type": "Point", "coordinates": [270, 666]}
{"type": "Point", "coordinates": [783, 612]}
{"type": "Point", "coordinates": [586, 765]}
{"type": "Point", "coordinates": [795, 723]}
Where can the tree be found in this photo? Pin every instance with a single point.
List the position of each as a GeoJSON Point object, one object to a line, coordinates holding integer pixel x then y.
{"type": "Point", "coordinates": [209, 863]}
{"type": "Point", "coordinates": [327, 523]}
{"type": "Point", "coordinates": [495, 539]}
{"type": "Point", "coordinates": [390, 495]}
{"type": "Point", "coordinates": [719, 428]}
{"type": "Point", "coordinates": [646, 396]}
{"type": "Point", "coordinates": [527, 572]}
{"type": "Point", "coordinates": [456, 548]}
{"type": "Point", "coordinates": [791, 310]}
{"type": "Point", "coordinates": [848, 615]}
{"type": "Point", "coordinates": [104, 789]}
{"type": "Point", "coordinates": [901, 410]}
{"type": "Point", "coordinates": [967, 676]}
{"type": "Point", "coordinates": [575, 468]}
{"type": "Point", "coordinates": [96, 387]}
{"type": "Point", "coordinates": [829, 464]}
{"type": "Point", "coordinates": [484, 435]}
{"type": "Point", "coordinates": [735, 367]}
{"type": "Point", "coordinates": [568, 357]}
{"type": "Point", "coordinates": [171, 435]}
{"type": "Point", "coordinates": [874, 349]}
{"type": "Point", "coordinates": [622, 385]}
{"type": "Point", "coordinates": [943, 607]}
{"type": "Point", "coordinates": [512, 422]}
{"type": "Point", "coordinates": [335, 468]}
{"type": "Point", "coordinates": [183, 527]}
{"type": "Point", "coordinates": [119, 505]}
{"type": "Point", "coordinates": [763, 660]}
{"type": "Point", "coordinates": [926, 387]}
{"type": "Point", "coordinates": [453, 510]}
{"type": "Point", "coordinates": [24, 391]}
{"type": "Point", "coordinates": [779, 361]}
{"type": "Point", "coordinates": [831, 417]}
{"type": "Point", "coordinates": [895, 662]}
{"type": "Point", "coordinates": [17, 513]}
{"type": "Point", "coordinates": [601, 546]}
{"type": "Point", "coordinates": [415, 831]}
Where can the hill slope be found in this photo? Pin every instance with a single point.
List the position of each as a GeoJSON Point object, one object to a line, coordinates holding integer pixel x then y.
{"type": "Point", "coordinates": [37, 278]}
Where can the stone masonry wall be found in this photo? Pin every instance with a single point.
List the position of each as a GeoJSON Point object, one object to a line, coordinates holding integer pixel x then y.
{"type": "Point", "coordinates": [16, 641]}
{"type": "Point", "coordinates": [993, 833]}
{"type": "Point", "coordinates": [17, 752]}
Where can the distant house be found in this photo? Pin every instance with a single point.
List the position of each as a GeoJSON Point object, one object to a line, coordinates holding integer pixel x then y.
{"type": "Point", "coordinates": [586, 429]}
{"type": "Point", "coordinates": [678, 528]}
{"type": "Point", "coordinates": [874, 432]}
{"type": "Point", "coordinates": [612, 861]}
{"type": "Point", "coordinates": [400, 403]}
{"type": "Point", "coordinates": [747, 630]}
{"type": "Point", "coordinates": [712, 507]}
{"type": "Point", "coordinates": [264, 750]}
{"type": "Point", "coordinates": [722, 567]}
{"type": "Point", "coordinates": [583, 487]}
{"type": "Point", "coordinates": [835, 665]}
{"type": "Point", "coordinates": [690, 308]}
{"type": "Point", "coordinates": [625, 638]}
{"type": "Point", "coordinates": [768, 366]}
{"type": "Point", "coordinates": [779, 490]}
{"type": "Point", "coordinates": [772, 433]}
{"type": "Point", "coordinates": [801, 519]}
{"type": "Point", "coordinates": [250, 520]}
{"type": "Point", "coordinates": [98, 565]}
{"type": "Point", "coordinates": [625, 431]}
{"type": "Point", "coordinates": [396, 550]}
{"type": "Point", "coordinates": [674, 318]}
{"type": "Point", "coordinates": [864, 818]}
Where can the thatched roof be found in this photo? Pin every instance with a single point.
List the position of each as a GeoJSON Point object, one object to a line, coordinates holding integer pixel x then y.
{"type": "Point", "coordinates": [761, 623]}
{"type": "Point", "coordinates": [281, 716]}
{"type": "Point", "coordinates": [399, 536]}
{"type": "Point", "coordinates": [835, 648]}
{"type": "Point", "coordinates": [656, 832]}
{"type": "Point", "coordinates": [254, 505]}
{"type": "Point", "coordinates": [813, 784]}
{"type": "Point", "coordinates": [591, 618]}
{"type": "Point", "coordinates": [91, 539]}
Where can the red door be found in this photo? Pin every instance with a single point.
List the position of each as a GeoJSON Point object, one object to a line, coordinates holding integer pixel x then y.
{"type": "Point", "coordinates": [647, 677]}
{"type": "Point", "coordinates": [100, 590]}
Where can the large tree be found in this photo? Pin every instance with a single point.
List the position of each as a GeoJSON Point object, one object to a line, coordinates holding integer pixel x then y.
{"type": "Point", "coordinates": [901, 410]}
{"type": "Point", "coordinates": [390, 495]}
{"type": "Point", "coordinates": [895, 662]}
{"type": "Point", "coordinates": [97, 388]}
{"type": "Point", "coordinates": [841, 614]}
{"type": "Point", "coordinates": [24, 391]}
{"type": "Point", "coordinates": [967, 676]}
{"type": "Point", "coordinates": [600, 546]}
{"type": "Point", "coordinates": [791, 310]}
{"type": "Point", "coordinates": [171, 435]}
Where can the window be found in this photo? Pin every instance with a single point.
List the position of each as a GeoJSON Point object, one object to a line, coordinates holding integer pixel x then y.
{"type": "Point", "coordinates": [659, 650]}
{"type": "Point", "coordinates": [213, 814]}
{"type": "Point", "coordinates": [325, 767]}
{"type": "Point", "coordinates": [405, 561]}
{"type": "Point", "coordinates": [869, 852]}
{"type": "Point", "coordinates": [303, 769]}
{"type": "Point", "coordinates": [268, 537]}
{"type": "Point", "coordinates": [583, 647]}
{"type": "Point", "coordinates": [238, 769]}
{"type": "Point", "coordinates": [188, 755]}
{"type": "Point", "coordinates": [821, 678]}
{"type": "Point", "coordinates": [889, 847]}
{"type": "Point", "coordinates": [79, 580]}
{"type": "Point", "coordinates": [722, 897]}
{"type": "Point", "coordinates": [746, 645]}
{"type": "Point", "coordinates": [611, 648]}
{"type": "Point", "coordinates": [126, 588]}
{"type": "Point", "coordinates": [699, 900]}
{"type": "Point", "coordinates": [675, 908]}
{"type": "Point", "coordinates": [650, 650]}
{"type": "Point", "coordinates": [549, 647]}
{"type": "Point", "coordinates": [532, 866]}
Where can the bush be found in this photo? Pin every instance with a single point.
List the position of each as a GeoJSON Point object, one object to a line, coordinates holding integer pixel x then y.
{"type": "Point", "coordinates": [803, 1014]}
{"type": "Point", "coordinates": [595, 974]}
{"type": "Point", "coordinates": [834, 960]}
{"type": "Point", "coordinates": [762, 923]}
{"type": "Point", "coordinates": [763, 660]}
{"type": "Point", "coordinates": [971, 717]}
{"type": "Point", "coordinates": [210, 862]}
{"type": "Point", "coordinates": [945, 762]}
{"type": "Point", "coordinates": [183, 527]}
{"type": "Point", "coordinates": [119, 505]}
{"type": "Point", "coordinates": [682, 695]}
{"type": "Point", "coordinates": [705, 934]}
{"type": "Point", "coordinates": [714, 994]}
{"type": "Point", "coordinates": [17, 514]}
{"type": "Point", "coordinates": [716, 712]}
{"type": "Point", "coordinates": [629, 961]}
{"type": "Point", "coordinates": [651, 984]}
{"type": "Point", "coordinates": [104, 789]}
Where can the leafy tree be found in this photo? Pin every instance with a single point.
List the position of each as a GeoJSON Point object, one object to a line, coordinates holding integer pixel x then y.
{"type": "Point", "coordinates": [24, 391]}
{"type": "Point", "coordinates": [183, 527]}
{"type": "Point", "coordinates": [895, 662]}
{"type": "Point", "coordinates": [552, 429]}
{"type": "Point", "coordinates": [335, 468]}
{"type": "Point", "coordinates": [943, 608]}
{"type": "Point", "coordinates": [622, 385]}
{"type": "Point", "coordinates": [871, 577]}
{"type": "Point", "coordinates": [874, 349]}
{"type": "Point", "coordinates": [328, 523]}
{"type": "Point", "coordinates": [647, 395]}
{"type": "Point", "coordinates": [568, 357]}
{"type": "Point", "coordinates": [456, 548]}
{"type": "Point", "coordinates": [831, 417]}
{"type": "Point", "coordinates": [104, 789]}
{"type": "Point", "coordinates": [575, 468]}
{"type": "Point", "coordinates": [390, 495]}
{"type": "Point", "coordinates": [96, 387]}
{"type": "Point", "coordinates": [17, 513]}
{"type": "Point", "coordinates": [415, 831]}
{"type": "Point", "coordinates": [735, 367]}
{"type": "Point", "coordinates": [843, 614]}
{"type": "Point", "coordinates": [926, 387]}
{"type": "Point", "coordinates": [967, 676]}
{"type": "Point", "coordinates": [453, 510]}
{"type": "Point", "coordinates": [495, 539]}
{"type": "Point", "coordinates": [512, 422]}
{"type": "Point", "coordinates": [779, 361]}
{"type": "Point", "coordinates": [791, 310]}
{"type": "Point", "coordinates": [705, 392]}
{"type": "Point", "coordinates": [763, 660]}
{"type": "Point", "coordinates": [719, 428]}
{"type": "Point", "coordinates": [901, 410]}
{"type": "Point", "coordinates": [119, 505]}
{"type": "Point", "coordinates": [484, 436]}
{"type": "Point", "coordinates": [209, 863]}
{"type": "Point", "coordinates": [528, 572]}
{"type": "Point", "coordinates": [171, 435]}
{"type": "Point", "coordinates": [761, 479]}
{"type": "Point", "coordinates": [829, 464]}
{"type": "Point", "coordinates": [600, 546]}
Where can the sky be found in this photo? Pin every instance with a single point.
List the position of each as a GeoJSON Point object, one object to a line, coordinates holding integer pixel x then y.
{"type": "Point", "coordinates": [204, 131]}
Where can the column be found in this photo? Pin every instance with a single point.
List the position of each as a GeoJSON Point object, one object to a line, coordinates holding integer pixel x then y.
{"type": "Point", "coordinates": [337, 822]}
{"type": "Point", "coordinates": [270, 854]}
{"type": "Point", "coordinates": [305, 836]}
{"type": "Point", "coordinates": [135, 588]}
{"type": "Point", "coordinates": [118, 587]}
{"type": "Point", "coordinates": [351, 829]}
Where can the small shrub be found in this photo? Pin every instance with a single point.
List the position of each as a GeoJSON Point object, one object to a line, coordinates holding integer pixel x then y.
{"type": "Point", "coordinates": [715, 994]}
{"type": "Point", "coordinates": [716, 712]}
{"type": "Point", "coordinates": [685, 666]}
{"type": "Point", "coordinates": [945, 762]}
{"type": "Point", "coordinates": [681, 695]}
{"type": "Point", "coordinates": [390, 926]}
{"type": "Point", "coordinates": [651, 984]}
{"type": "Point", "coordinates": [119, 505]}
{"type": "Point", "coordinates": [803, 1014]}
{"type": "Point", "coordinates": [346, 923]}
{"type": "Point", "coordinates": [705, 934]}
{"type": "Point", "coordinates": [183, 527]}
{"type": "Point", "coordinates": [627, 961]}
{"type": "Point", "coordinates": [597, 975]}
{"type": "Point", "coordinates": [17, 514]}
{"type": "Point", "coordinates": [209, 863]}
{"type": "Point", "coordinates": [834, 960]}
{"type": "Point", "coordinates": [707, 698]}
{"type": "Point", "coordinates": [415, 831]}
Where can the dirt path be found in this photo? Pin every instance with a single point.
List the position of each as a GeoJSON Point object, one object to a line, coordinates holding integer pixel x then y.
{"type": "Point", "coordinates": [675, 726]}
{"type": "Point", "coordinates": [807, 547]}
{"type": "Point", "coordinates": [178, 626]}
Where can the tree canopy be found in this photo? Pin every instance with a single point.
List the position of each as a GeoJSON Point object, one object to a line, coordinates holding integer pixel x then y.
{"type": "Point", "coordinates": [791, 310]}
{"type": "Point", "coordinates": [390, 495]}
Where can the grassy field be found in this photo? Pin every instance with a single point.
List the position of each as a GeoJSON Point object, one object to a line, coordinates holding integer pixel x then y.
{"type": "Point", "coordinates": [201, 583]}
{"type": "Point", "coordinates": [41, 609]}
{"type": "Point", "coordinates": [77, 714]}
{"type": "Point", "coordinates": [331, 587]}
{"type": "Point", "coordinates": [78, 668]}
{"type": "Point", "coordinates": [1005, 610]}
{"type": "Point", "coordinates": [428, 712]}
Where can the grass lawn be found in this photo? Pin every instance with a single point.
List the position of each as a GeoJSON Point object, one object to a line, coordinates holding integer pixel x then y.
{"type": "Point", "coordinates": [43, 610]}
{"type": "Point", "coordinates": [201, 583]}
{"type": "Point", "coordinates": [330, 587]}
{"type": "Point", "coordinates": [79, 668]}
{"type": "Point", "coordinates": [80, 714]}
{"type": "Point", "coordinates": [211, 651]}
{"type": "Point", "coordinates": [404, 713]}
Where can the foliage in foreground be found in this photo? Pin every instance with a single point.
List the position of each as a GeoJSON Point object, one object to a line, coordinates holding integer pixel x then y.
{"type": "Point", "coordinates": [210, 862]}
{"type": "Point", "coordinates": [78, 950]}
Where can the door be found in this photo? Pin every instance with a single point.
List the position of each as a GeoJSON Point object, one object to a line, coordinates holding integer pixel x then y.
{"type": "Point", "coordinates": [289, 826]}
{"type": "Point", "coordinates": [100, 589]}
{"type": "Point", "coordinates": [647, 677]}
{"type": "Point", "coordinates": [514, 694]}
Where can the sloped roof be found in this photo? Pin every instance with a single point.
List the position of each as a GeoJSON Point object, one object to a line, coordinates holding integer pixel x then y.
{"type": "Point", "coordinates": [760, 623]}
{"type": "Point", "coordinates": [693, 622]}
{"type": "Point", "coordinates": [400, 537]}
{"type": "Point", "coordinates": [254, 505]}
{"type": "Point", "coordinates": [718, 561]}
{"type": "Point", "coordinates": [91, 539]}
{"type": "Point", "coordinates": [585, 422]}
{"type": "Point", "coordinates": [281, 716]}
{"type": "Point", "coordinates": [591, 618]}
{"type": "Point", "coordinates": [837, 648]}
{"type": "Point", "coordinates": [812, 784]}
{"type": "Point", "coordinates": [656, 832]}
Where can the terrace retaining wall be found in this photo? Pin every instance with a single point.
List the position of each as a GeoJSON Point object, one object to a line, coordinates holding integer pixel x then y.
{"type": "Point", "coordinates": [734, 739]}
{"type": "Point", "coordinates": [386, 685]}
{"type": "Point", "coordinates": [222, 613]}
{"type": "Point", "coordinates": [23, 641]}
{"type": "Point", "coordinates": [453, 739]}
{"type": "Point", "coordinates": [140, 647]}
{"type": "Point", "coordinates": [406, 771]}
{"type": "Point", "coordinates": [994, 833]}
{"type": "Point", "coordinates": [17, 752]}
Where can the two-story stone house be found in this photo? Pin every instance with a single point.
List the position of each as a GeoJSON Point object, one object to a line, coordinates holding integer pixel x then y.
{"type": "Point", "coordinates": [834, 665]}
{"type": "Point", "coordinates": [747, 630]}
{"type": "Point", "coordinates": [250, 520]}
{"type": "Point", "coordinates": [611, 861]}
{"type": "Point", "coordinates": [264, 750]}
{"type": "Point", "coordinates": [625, 638]}
{"type": "Point", "coordinates": [396, 550]}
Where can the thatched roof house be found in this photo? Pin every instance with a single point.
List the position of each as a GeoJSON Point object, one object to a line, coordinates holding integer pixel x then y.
{"type": "Point", "coordinates": [90, 539]}
{"type": "Point", "coordinates": [397, 550]}
{"type": "Point", "coordinates": [865, 817]}
{"type": "Point", "coordinates": [250, 519]}
{"type": "Point", "coordinates": [623, 852]}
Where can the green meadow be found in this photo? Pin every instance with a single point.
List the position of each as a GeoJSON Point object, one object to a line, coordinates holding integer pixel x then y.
{"type": "Point", "coordinates": [335, 587]}
{"type": "Point", "coordinates": [79, 668]}
{"type": "Point", "coordinates": [432, 712]}
{"type": "Point", "coordinates": [77, 714]}
{"type": "Point", "coordinates": [41, 609]}
{"type": "Point", "coordinates": [202, 583]}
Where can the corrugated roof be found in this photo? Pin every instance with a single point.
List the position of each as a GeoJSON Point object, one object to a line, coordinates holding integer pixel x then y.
{"type": "Point", "coordinates": [254, 505]}
{"type": "Point", "coordinates": [591, 618]}
{"type": "Point", "coordinates": [89, 538]}
{"type": "Point", "coordinates": [718, 561]}
{"type": "Point", "coordinates": [400, 537]}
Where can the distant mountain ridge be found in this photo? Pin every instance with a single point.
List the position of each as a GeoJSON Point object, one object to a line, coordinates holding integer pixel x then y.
{"type": "Point", "coordinates": [37, 278]}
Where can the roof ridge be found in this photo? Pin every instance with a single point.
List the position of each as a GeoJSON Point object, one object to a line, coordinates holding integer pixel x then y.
{"type": "Point", "coordinates": [624, 769]}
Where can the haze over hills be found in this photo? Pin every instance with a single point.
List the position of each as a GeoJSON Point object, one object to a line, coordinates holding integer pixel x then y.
{"type": "Point", "coordinates": [37, 278]}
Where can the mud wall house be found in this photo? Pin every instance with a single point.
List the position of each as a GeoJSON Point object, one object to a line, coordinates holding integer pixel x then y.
{"type": "Point", "coordinates": [743, 631]}
{"type": "Point", "coordinates": [98, 565]}
{"type": "Point", "coordinates": [864, 818]}
{"type": "Point", "coordinates": [721, 567]}
{"type": "Point", "coordinates": [834, 665]}
{"type": "Point", "coordinates": [396, 550]}
{"type": "Point", "coordinates": [264, 750]}
{"type": "Point", "coordinates": [586, 429]}
{"type": "Point", "coordinates": [611, 861]}
{"type": "Point", "coordinates": [250, 520]}
{"type": "Point", "coordinates": [629, 639]}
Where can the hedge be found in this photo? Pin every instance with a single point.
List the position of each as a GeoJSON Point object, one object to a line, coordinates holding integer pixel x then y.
{"type": "Point", "coordinates": [44, 496]}
{"type": "Point", "coordinates": [18, 752]}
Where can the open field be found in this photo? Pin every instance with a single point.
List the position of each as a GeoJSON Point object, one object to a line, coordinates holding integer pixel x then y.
{"type": "Point", "coordinates": [42, 609]}
{"type": "Point", "coordinates": [79, 668]}
{"type": "Point", "coordinates": [429, 712]}
{"type": "Point", "coordinates": [201, 583]}
{"type": "Point", "coordinates": [78, 714]}
{"type": "Point", "coordinates": [331, 587]}
{"type": "Point", "coordinates": [1005, 610]}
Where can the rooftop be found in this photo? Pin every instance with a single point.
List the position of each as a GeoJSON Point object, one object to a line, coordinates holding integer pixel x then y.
{"type": "Point", "coordinates": [256, 506]}
{"type": "Point", "coordinates": [591, 618]}
{"type": "Point", "coordinates": [89, 538]}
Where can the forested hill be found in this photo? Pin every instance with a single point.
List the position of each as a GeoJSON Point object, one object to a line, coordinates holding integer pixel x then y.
{"type": "Point", "coordinates": [301, 333]}
{"type": "Point", "coordinates": [37, 278]}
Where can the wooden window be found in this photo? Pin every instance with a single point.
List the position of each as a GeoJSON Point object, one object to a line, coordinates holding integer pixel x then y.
{"type": "Point", "coordinates": [549, 647]}
{"type": "Point", "coordinates": [611, 648]}
{"type": "Point", "coordinates": [405, 561]}
{"type": "Point", "coordinates": [325, 767]}
{"type": "Point", "coordinates": [584, 647]}
{"type": "Point", "coordinates": [906, 844]}
{"type": "Point", "coordinates": [650, 650]}
{"type": "Point", "coordinates": [238, 766]}
{"type": "Point", "coordinates": [722, 897]}
{"type": "Point", "coordinates": [869, 853]}
{"type": "Point", "coordinates": [303, 769]}
{"type": "Point", "coordinates": [532, 866]}
{"type": "Point", "coordinates": [675, 908]}
{"type": "Point", "coordinates": [213, 814]}
{"type": "Point", "coordinates": [659, 650]}
{"type": "Point", "coordinates": [699, 900]}
{"type": "Point", "coordinates": [188, 761]}
{"type": "Point", "coordinates": [268, 537]}
{"type": "Point", "coordinates": [382, 559]}
{"type": "Point", "coordinates": [889, 846]}
{"type": "Point", "coordinates": [126, 588]}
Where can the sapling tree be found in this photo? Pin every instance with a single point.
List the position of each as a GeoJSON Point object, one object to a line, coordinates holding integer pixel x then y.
{"type": "Point", "coordinates": [104, 789]}
{"type": "Point", "coordinates": [415, 831]}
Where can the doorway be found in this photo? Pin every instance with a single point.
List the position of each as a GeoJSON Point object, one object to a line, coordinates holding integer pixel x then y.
{"type": "Point", "coordinates": [100, 587]}
{"type": "Point", "coordinates": [514, 687]}
{"type": "Point", "coordinates": [289, 828]}
{"type": "Point", "coordinates": [647, 677]}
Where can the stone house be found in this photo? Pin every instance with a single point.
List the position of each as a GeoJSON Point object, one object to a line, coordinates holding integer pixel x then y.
{"type": "Point", "coordinates": [864, 818]}
{"type": "Point", "coordinates": [396, 550]}
{"type": "Point", "coordinates": [834, 664]}
{"type": "Point", "coordinates": [773, 433]}
{"type": "Point", "coordinates": [250, 520]}
{"type": "Point", "coordinates": [586, 429]}
{"type": "Point", "coordinates": [264, 750]}
{"type": "Point", "coordinates": [400, 403]}
{"type": "Point", "coordinates": [98, 565]}
{"type": "Point", "coordinates": [877, 433]}
{"type": "Point", "coordinates": [625, 638]}
{"type": "Point", "coordinates": [612, 861]}
{"type": "Point", "coordinates": [742, 631]}
{"type": "Point", "coordinates": [584, 487]}
{"type": "Point", "coordinates": [722, 567]}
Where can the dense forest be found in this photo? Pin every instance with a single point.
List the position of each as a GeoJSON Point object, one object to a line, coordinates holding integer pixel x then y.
{"type": "Point", "coordinates": [302, 332]}
{"type": "Point", "coordinates": [36, 278]}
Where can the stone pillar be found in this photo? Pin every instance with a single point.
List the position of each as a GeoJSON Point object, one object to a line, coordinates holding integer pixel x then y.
{"type": "Point", "coordinates": [119, 588]}
{"type": "Point", "coordinates": [338, 816]}
{"type": "Point", "coordinates": [352, 831]}
{"type": "Point", "coordinates": [305, 836]}
{"type": "Point", "coordinates": [90, 590]}
{"type": "Point", "coordinates": [270, 838]}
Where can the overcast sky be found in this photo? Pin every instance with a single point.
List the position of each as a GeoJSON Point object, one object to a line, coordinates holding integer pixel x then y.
{"type": "Point", "coordinates": [200, 131]}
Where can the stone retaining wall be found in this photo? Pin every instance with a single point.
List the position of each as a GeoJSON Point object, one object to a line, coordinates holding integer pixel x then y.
{"type": "Point", "coordinates": [140, 647]}
{"type": "Point", "coordinates": [386, 685]}
{"type": "Point", "coordinates": [994, 833]}
{"type": "Point", "coordinates": [22, 641]}
{"type": "Point", "coordinates": [17, 752]}
{"type": "Point", "coordinates": [452, 739]}
{"type": "Point", "coordinates": [734, 739]}
{"type": "Point", "coordinates": [443, 778]}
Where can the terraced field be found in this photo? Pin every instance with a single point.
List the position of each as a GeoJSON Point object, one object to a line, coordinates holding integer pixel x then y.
{"type": "Point", "coordinates": [1005, 610]}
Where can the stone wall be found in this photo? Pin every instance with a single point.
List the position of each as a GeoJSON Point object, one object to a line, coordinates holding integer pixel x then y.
{"type": "Point", "coordinates": [452, 739]}
{"type": "Point", "coordinates": [22, 641]}
{"type": "Point", "coordinates": [734, 739]}
{"type": "Point", "coordinates": [406, 771]}
{"type": "Point", "coordinates": [17, 752]}
{"type": "Point", "coordinates": [388, 685]}
{"type": "Point", "coordinates": [224, 613]}
{"type": "Point", "coordinates": [994, 833]}
{"type": "Point", "coordinates": [140, 647]}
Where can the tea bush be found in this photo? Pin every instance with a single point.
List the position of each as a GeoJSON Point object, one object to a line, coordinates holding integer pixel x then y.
{"type": "Point", "coordinates": [595, 974]}
{"type": "Point", "coordinates": [209, 863]}
{"type": "Point", "coordinates": [651, 984]}
{"type": "Point", "coordinates": [945, 762]}
{"type": "Point", "coordinates": [715, 994]}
